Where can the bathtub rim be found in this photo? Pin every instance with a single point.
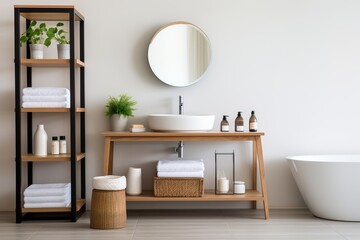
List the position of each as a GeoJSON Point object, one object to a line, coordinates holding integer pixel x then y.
{"type": "Point", "coordinates": [326, 158]}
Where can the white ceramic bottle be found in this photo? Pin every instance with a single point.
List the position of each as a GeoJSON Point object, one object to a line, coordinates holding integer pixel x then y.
{"type": "Point", "coordinates": [55, 145]}
{"type": "Point", "coordinates": [40, 141]}
{"type": "Point", "coordinates": [62, 145]}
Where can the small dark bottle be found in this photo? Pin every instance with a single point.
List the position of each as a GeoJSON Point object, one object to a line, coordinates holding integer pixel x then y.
{"type": "Point", "coordinates": [239, 123]}
{"type": "Point", "coordinates": [224, 125]}
{"type": "Point", "coordinates": [253, 124]}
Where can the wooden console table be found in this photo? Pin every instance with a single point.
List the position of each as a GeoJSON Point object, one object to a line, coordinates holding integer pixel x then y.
{"type": "Point", "coordinates": [250, 195]}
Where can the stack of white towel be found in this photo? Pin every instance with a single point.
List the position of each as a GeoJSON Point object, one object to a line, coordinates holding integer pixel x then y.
{"type": "Point", "coordinates": [46, 97]}
{"type": "Point", "coordinates": [47, 195]}
{"type": "Point", "coordinates": [180, 168]}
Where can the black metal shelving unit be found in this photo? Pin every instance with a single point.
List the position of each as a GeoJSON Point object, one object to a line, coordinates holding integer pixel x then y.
{"type": "Point", "coordinates": [76, 157]}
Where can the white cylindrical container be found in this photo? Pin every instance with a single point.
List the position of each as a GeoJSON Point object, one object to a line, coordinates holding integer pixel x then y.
{"type": "Point", "coordinates": [62, 149]}
{"type": "Point", "coordinates": [239, 187]}
{"type": "Point", "coordinates": [133, 179]}
{"type": "Point", "coordinates": [40, 141]}
{"type": "Point", "coordinates": [223, 185]}
{"type": "Point", "coordinates": [37, 51]}
{"type": "Point", "coordinates": [63, 51]}
{"type": "Point", "coordinates": [55, 145]}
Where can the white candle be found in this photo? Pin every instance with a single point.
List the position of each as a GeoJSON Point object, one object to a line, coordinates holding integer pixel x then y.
{"type": "Point", "coordinates": [223, 185]}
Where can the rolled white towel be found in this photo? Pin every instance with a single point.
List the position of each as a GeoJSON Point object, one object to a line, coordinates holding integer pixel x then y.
{"type": "Point", "coordinates": [28, 98]}
{"type": "Point", "coordinates": [48, 199]}
{"type": "Point", "coordinates": [46, 91]}
{"type": "Point", "coordinates": [49, 185]}
{"type": "Point", "coordinates": [41, 192]}
{"type": "Point", "coordinates": [181, 174]}
{"type": "Point", "coordinates": [46, 104]}
{"type": "Point", "coordinates": [47, 205]}
{"type": "Point", "coordinates": [180, 165]}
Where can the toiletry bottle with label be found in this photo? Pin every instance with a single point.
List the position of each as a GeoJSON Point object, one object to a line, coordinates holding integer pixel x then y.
{"type": "Point", "coordinates": [62, 145]}
{"type": "Point", "coordinates": [55, 145]}
{"type": "Point", "coordinates": [253, 124]}
{"type": "Point", "coordinates": [224, 125]}
{"type": "Point", "coordinates": [239, 123]}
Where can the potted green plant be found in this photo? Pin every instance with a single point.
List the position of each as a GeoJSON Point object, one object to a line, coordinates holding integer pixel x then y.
{"type": "Point", "coordinates": [35, 35]}
{"type": "Point", "coordinates": [63, 43]}
{"type": "Point", "coordinates": [119, 109]}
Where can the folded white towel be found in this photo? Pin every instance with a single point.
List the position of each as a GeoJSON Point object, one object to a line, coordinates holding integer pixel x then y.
{"type": "Point", "coordinates": [45, 91]}
{"type": "Point", "coordinates": [180, 165]}
{"type": "Point", "coordinates": [42, 192]}
{"type": "Point", "coordinates": [181, 174]}
{"type": "Point", "coordinates": [48, 199]}
{"type": "Point", "coordinates": [64, 98]}
{"type": "Point", "coordinates": [49, 185]}
{"type": "Point", "coordinates": [46, 104]}
{"type": "Point", "coordinates": [46, 205]}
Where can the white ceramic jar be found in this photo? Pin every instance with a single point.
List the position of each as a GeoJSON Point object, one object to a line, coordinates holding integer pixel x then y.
{"type": "Point", "coordinates": [239, 187]}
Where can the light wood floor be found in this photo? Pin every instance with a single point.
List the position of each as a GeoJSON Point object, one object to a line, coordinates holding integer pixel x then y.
{"type": "Point", "coordinates": [188, 224]}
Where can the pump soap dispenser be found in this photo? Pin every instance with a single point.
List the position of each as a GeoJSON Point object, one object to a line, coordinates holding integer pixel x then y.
{"type": "Point", "coordinates": [224, 125]}
{"type": "Point", "coordinates": [239, 123]}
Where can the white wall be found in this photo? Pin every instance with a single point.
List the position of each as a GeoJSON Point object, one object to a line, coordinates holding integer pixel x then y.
{"type": "Point", "coordinates": [295, 62]}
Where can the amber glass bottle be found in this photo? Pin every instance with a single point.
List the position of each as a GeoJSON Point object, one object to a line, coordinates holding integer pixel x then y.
{"type": "Point", "coordinates": [224, 125]}
{"type": "Point", "coordinates": [253, 124]}
{"type": "Point", "coordinates": [239, 123]}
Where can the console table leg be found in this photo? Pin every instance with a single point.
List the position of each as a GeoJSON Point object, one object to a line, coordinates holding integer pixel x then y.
{"type": "Point", "coordinates": [262, 176]}
{"type": "Point", "coordinates": [254, 186]}
{"type": "Point", "coordinates": [107, 156]}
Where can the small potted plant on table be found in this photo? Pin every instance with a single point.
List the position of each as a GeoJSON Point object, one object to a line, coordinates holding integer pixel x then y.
{"type": "Point", "coordinates": [119, 110]}
{"type": "Point", "coordinates": [35, 35]}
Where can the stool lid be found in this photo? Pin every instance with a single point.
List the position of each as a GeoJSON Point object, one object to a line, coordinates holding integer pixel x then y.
{"type": "Point", "coordinates": [110, 182]}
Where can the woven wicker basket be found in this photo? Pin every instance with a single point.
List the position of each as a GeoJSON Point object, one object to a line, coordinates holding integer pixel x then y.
{"type": "Point", "coordinates": [178, 187]}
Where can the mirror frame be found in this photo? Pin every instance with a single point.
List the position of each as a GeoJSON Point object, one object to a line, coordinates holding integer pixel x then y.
{"type": "Point", "coordinates": [187, 83]}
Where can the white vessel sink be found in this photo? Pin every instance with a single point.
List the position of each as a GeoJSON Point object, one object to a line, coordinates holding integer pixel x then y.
{"type": "Point", "coordinates": [180, 123]}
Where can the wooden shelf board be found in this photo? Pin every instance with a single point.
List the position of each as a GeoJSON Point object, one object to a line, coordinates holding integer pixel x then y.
{"type": "Point", "coordinates": [49, 16]}
{"type": "Point", "coordinates": [79, 204]}
{"type": "Point", "coordinates": [181, 136]}
{"type": "Point", "coordinates": [51, 157]}
{"type": "Point", "coordinates": [209, 195]}
{"type": "Point", "coordinates": [50, 62]}
{"type": "Point", "coordinates": [49, 110]}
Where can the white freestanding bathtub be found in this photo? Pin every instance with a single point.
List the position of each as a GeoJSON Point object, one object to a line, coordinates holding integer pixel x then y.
{"type": "Point", "coordinates": [329, 184]}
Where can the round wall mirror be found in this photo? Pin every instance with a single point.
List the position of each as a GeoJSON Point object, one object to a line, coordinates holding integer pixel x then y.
{"type": "Point", "coordinates": [179, 54]}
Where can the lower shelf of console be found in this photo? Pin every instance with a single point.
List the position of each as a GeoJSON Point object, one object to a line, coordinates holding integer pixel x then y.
{"type": "Point", "coordinates": [79, 204]}
{"type": "Point", "coordinates": [209, 195]}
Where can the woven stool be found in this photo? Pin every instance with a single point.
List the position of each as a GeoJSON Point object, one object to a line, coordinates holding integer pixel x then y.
{"type": "Point", "coordinates": [108, 202]}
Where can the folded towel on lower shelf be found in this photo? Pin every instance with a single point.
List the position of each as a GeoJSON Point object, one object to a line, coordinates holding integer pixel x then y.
{"type": "Point", "coordinates": [180, 165]}
{"type": "Point", "coordinates": [46, 104]}
{"type": "Point", "coordinates": [49, 185]}
{"type": "Point", "coordinates": [199, 174]}
{"type": "Point", "coordinates": [63, 98]}
{"type": "Point", "coordinates": [47, 205]}
{"type": "Point", "coordinates": [42, 192]}
{"type": "Point", "coordinates": [45, 91]}
{"type": "Point", "coordinates": [48, 199]}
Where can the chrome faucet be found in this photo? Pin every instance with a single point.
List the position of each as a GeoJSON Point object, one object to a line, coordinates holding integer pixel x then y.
{"type": "Point", "coordinates": [179, 149]}
{"type": "Point", "coordinates": [181, 105]}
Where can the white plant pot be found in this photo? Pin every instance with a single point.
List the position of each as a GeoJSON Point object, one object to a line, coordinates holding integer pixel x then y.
{"type": "Point", "coordinates": [118, 123]}
{"type": "Point", "coordinates": [37, 51]}
{"type": "Point", "coordinates": [63, 51]}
